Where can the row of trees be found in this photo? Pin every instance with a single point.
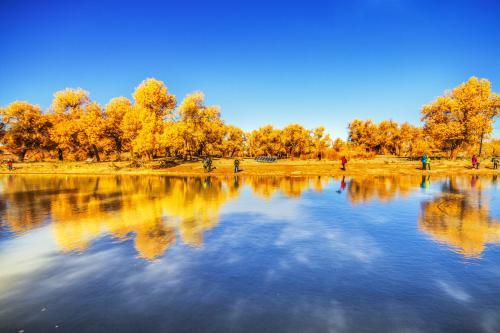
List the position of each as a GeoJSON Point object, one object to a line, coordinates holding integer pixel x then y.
{"type": "Point", "coordinates": [149, 126]}
{"type": "Point", "coordinates": [459, 120]}
{"type": "Point", "coordinates": [153, 124]}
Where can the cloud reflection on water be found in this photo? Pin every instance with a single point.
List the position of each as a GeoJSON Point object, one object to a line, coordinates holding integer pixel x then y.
{"type": "Point", "coordinates": [158, 212]}
{"type": "Point", "coordinates": [241, 251]}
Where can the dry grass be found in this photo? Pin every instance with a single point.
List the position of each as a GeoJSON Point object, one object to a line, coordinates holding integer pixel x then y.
{"type": "Point", "coordinates": [377, 166]}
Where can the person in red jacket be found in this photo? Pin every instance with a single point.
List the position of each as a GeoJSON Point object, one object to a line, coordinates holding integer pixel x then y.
{"type": "Point", "coordinates": [475, 162]}
{"type": "Point", "coordinates": [343, 160]}
{"type": "Point", "coordinates": [9, 165]}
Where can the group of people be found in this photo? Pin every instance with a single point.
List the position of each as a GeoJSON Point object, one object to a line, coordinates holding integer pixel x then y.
{"type": "Point", "coordinates": [208, 167]}
{"type": "Point", "coordinates": [426, 162]}
{"type": "Point", "coordinates": [207, 164]}
{"type": "Point", "coordinates": [475, 162]}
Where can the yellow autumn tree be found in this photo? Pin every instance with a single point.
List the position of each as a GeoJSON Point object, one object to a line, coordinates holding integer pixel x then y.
{"type": "Point", "coordinates": [296, 140]}
{"type": "Point", "coordinates": [142, 124]}
{"type": "Point", "coordinates": [201, 127]}
{"type": "Point", "coordinates": [233, 143]}
{"type": "Point", "coordinates": [362, 133]}
{"type": "Point", "coordinates": [492, 148]}
{"type": "Point", "coordinates": [114, 113]}
{"type": "Point", "coordinates": [67, 108]}
{"type": "Point", "coordinates": [93, 130]}
{"type": "Point", "coordinates": [462, 117]}
{"type": "Point", "coordinates": [387, 137]}
{"type": "Point", "coordinates": [171, 139]}
{"type": "Point", "coordinates": [26, 128]}
{"type": "Point", "coordinates": [321, 142]}
{"type": "Point", "coordinates": [266, 141]}
{"type": "Point", "coordinates": [412, 141]}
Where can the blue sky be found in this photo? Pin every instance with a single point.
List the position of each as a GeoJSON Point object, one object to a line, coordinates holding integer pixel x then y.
{"type": "Point", "coordinates": [277, 62]}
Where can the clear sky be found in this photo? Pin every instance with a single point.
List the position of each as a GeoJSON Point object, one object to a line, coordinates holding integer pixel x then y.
{"type": "Point", "coordinates": [277, 62]}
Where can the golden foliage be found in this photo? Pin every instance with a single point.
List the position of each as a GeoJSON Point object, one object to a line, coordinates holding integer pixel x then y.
{"type": "Point", "coordinates": [26, 128]}
{"type": "Point", "coordinates": [461, 117]}
{"type": "Point", "coordinates": [388, 137]}
{"type": "Point", "coordinates": [114, 113]}
{"type": "Point", "coordinates": [201, 128]}
{"type": "Point", "coordinates": [151, 126]}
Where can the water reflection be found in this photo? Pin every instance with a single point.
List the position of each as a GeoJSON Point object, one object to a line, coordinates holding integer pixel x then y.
{"type": "Point", "coordinates": [151, 210]}
{"type": "Point", "coordinates": [460, 216]}
{"type": "Point", "coordinates": [383, 188]}
{"type": "Point", "coordinates": [157, 212]}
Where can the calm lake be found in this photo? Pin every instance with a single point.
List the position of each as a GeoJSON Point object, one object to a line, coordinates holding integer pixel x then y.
{"type": "Point", "coordinates": [249, 254]}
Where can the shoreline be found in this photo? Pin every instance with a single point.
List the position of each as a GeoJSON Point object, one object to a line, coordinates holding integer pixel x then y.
{"type": "Point", "coordinates": [379, 166]}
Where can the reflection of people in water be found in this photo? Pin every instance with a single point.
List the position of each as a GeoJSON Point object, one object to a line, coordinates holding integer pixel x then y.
{"type": "Point", "coordinates": [342, 185]}
{"type": "Point", "coordinates": [494, 180]}
{"type": "Point", "coordinates": [207, 182]}
{"type": "Point", "coordinates": [426, 181]}
{"type": "Point", "coordinates": [473, 181]}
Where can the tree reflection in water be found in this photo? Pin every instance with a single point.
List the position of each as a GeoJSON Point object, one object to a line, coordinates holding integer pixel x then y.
{"type": "Point", "coordinates": [460, 216]}
{"type": "Point", "coordinates": [156, 212]}
{"type": "Point", "coordinates": [152, 210]}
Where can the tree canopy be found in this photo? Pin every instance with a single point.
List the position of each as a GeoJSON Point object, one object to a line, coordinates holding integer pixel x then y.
{"type": "Point", "coordinates": [151, 125]}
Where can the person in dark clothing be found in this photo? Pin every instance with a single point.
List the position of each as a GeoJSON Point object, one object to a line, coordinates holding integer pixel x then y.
{"type": "Point", "coordinates": [207, 164]}
{"type": "Point", "coordinates": [9, 165]}
{"type": "Point", "coordinates": [236, 166]}
{"type": "Point", "coordinates": [495, 162]}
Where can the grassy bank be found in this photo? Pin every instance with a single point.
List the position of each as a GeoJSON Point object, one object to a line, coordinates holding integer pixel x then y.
{"type": "Point", "coordinates": [376, 166]}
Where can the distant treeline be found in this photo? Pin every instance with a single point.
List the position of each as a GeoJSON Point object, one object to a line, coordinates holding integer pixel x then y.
{"type": "Point", "coordinates": [154, 125]}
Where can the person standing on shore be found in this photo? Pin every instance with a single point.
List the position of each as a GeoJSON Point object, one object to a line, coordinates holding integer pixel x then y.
{"type": "Point", "coordinates": [475, 162]}
{"type": "Point", "coordinates": [495, 162]}
{"type": "Point", "coordinates": [207, 164]}
{"type": "Point", "coordinates": [424, 161]}
{"type": "Point", "coordinates": [428, 163]}
{"type": "Point", "coordinates": [236, 166]}
{"type": "Point", "coordinates": [343, 160]}
{"type": "Point", "coordinates": [9, 165]}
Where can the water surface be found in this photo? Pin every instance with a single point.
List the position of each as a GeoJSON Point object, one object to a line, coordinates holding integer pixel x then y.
{"type": "Point", "coordinates": [253, 254]}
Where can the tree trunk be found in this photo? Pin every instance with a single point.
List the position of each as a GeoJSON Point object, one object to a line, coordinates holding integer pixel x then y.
{"type": "Point", "coordinates": [96, 153]}
{"type": "Point", "coordinates": [59, 154]}
{"type": "Point", "coordinates": [481, 144]}
{"type": "Point", "coordinates": [118, 144]}
{"type": "Point", "coordinates": [454, 153]}
{"type": "Point", "coordinates": [21, 155]}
